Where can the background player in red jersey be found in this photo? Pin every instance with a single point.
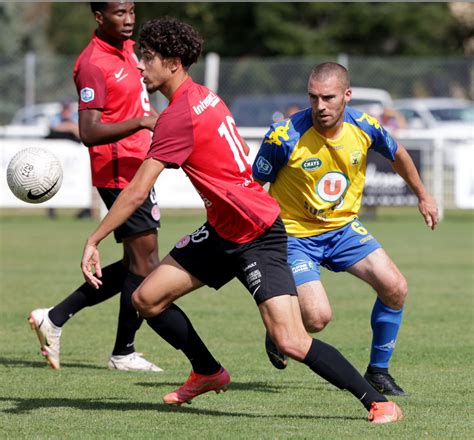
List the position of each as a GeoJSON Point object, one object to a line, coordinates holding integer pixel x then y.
{"type": "Point", "coordinates": [114, 122]}
{"type": "Point", "coordinates": [243, 236]}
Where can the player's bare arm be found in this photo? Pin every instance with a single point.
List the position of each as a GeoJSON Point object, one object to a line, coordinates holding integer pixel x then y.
{"type": "Point", "coordinates": [404, 166]}
{"type": "Point", "coordinates": [94, 132]}
{"type": "Point", "coordinates": [132, 196]}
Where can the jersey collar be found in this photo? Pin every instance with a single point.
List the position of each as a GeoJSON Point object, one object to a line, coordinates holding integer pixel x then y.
{"type": "Point", "coordinates": [185, 85]}
{"type": "Point", "coordinates": [106, 47]}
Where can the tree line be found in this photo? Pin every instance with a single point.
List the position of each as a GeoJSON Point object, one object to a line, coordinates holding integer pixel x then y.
{"type": "Point", "coordinates": [261, 28]}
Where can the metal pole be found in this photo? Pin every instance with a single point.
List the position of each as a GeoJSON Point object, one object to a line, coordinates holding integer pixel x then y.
{"type": "Point", "coordinates": [438, 174]}
{"type": "Point", "coordinates": [343, 60]}
{"type": "Point", "coordinates": [211, 73]}
{"type": "Point", "coordinates": [30, 86]}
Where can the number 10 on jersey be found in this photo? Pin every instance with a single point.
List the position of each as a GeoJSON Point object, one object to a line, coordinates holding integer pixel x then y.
{"type": "Point", "coordinates": [227, 130]}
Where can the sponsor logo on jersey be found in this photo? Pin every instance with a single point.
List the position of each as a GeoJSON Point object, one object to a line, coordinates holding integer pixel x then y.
{"type": "Point", "coordinates": [263, 166]}
{"type": "Point", "coordinates": [279, 134]}
{"type": "Point", "coordinates": [332, 186]}
{"type": "Point", "coordinates": [87, 94]}
{"type": "Point", "coordinates": [311, 164]}
{"type": "Point", "coordinates": [118, 76]}
{"type": "Point", "coordinates": [211, 100]}
{"type": "Point", "coordinates": [324, 213]}
{"type": "Point", "coordinates": [356, 157]}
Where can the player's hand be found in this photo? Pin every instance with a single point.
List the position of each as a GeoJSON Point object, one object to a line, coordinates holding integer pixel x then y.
{"type": "Point", "coordinates": [149, 121]}
{"type": "Point", "coordinates": [429, 210]}
{"type": "Point", "coordinates": [91, 260]}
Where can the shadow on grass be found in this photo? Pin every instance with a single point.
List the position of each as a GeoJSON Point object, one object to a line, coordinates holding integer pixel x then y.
{"type": "Point", "coordinates": [27, 405]}
{"type": "Point", "coordinates": [261, 387]}
{"type": "Point", "coordinates": [42, 364]}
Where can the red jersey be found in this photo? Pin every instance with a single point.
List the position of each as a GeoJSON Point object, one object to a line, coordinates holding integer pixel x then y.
{"type": "Point", "coordinates": [197, 133]}
{"type": "Point", "coordinates": [107, 79]}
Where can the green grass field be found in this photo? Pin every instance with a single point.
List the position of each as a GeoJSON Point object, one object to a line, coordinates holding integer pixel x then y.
{"type": "Point", "coordinates": [433, 360]}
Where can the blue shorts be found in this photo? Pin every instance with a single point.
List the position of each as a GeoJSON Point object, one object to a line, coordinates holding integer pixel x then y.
{"type": "Point", "coordinates": [336, 250]}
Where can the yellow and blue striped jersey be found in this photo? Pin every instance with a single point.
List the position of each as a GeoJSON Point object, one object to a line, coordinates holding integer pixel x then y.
{"type": "Point", "coordinates": [317, 181]}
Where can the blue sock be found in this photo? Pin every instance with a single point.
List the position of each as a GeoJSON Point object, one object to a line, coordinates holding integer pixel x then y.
{"type": "Point", "coordinates": [385, 324]}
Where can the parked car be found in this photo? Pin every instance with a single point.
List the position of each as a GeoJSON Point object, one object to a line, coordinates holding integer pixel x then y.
{"type": "Point", "coordinates": [33, 121]}
{"type": "Point", "coordinates": [264, 110]}
{"type": "Point", "coordinates": [436, 112]}
{"type": "Point", "coordinates": [37, 114]}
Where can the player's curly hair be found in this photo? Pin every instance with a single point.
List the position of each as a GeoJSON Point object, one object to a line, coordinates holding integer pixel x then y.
{"type": "Point", "coordinates": [171, 38]}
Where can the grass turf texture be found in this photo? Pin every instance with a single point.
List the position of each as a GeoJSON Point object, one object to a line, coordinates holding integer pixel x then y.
{"type": "Point", "coordinates": [433, 360]}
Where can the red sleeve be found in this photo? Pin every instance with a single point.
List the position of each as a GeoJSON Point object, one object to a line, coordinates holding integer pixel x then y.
{"type": "Point", "coordinates": [173, 134]}
{"type": "Point", "coordinates": [91, 87]}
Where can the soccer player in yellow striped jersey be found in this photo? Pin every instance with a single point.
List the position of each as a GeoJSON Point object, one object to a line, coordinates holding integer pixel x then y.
{"type": "Point", "coordinates": [315, 162]}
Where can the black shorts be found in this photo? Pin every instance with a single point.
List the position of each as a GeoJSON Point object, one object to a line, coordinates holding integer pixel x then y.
{"type": "Point", "coordinates": [261, 265]}
{"type": "Point", "coordinates": [146, 217]}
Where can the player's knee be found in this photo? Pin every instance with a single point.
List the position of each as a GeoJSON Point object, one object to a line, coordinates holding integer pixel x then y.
{"type": "Point", "coordinates": [318, 323]}
{"type": "Point", "coordinates": [395, 295]}
{"type": "Point", "coordinates": [138, 303]}
{"type": "Point", "coordinates": [146, 308]}
{"type": "Point", "coordinates": [316, 319]}
{"type": "Point", "coordinates": [402, 291]}
{"type": "Point", "coordinates": [291, 346]}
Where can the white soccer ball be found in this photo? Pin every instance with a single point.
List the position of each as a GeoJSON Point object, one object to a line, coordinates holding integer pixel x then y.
{"type": "Point", "coordinates": [34, 175]}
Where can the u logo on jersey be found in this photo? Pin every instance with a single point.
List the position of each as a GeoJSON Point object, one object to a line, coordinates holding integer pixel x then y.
{"type": "Point", "coordinates": [332, 186]}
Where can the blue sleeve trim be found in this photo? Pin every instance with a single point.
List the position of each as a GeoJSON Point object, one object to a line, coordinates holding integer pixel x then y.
{"type": "Point", "coordinates": [381, 141]}
{"type": "Point", "coordinates": [278, 145]}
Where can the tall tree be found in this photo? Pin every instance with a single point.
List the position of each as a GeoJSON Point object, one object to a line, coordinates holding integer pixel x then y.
{"type": "Point", "coordinates": [290, 28]}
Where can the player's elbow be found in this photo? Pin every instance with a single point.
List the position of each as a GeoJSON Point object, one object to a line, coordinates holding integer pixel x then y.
{"type": "Point", "coordinates": [137, 197]}
{"type": "Point", "coordinates": [86, 139]}
{"type": "Point", "coordinates": [89, 136]}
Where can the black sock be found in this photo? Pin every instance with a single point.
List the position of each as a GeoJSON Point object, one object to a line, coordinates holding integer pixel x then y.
{"type": "Point", "coordinates": [113, 277]}
{"type": "Point", "coordinates": [331, 365]}
{"type": "Point", "coordinates": [175, 328]}
{"type": "Point", "coordinates": [129, 321]}
{"type": "Point", "coordinates": [373, 370]}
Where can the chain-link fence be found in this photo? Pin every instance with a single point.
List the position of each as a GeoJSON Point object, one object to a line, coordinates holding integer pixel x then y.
{"type": "Point", "coordinates": [25, 80]}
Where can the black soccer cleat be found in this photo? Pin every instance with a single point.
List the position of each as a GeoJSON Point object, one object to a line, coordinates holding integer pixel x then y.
{"type": "Point", "coordinates": [384, 383]}
{"type": "Point", "coordinates": [278, 360]}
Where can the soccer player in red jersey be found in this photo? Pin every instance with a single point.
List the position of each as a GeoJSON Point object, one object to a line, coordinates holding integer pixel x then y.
{"type": "Point", "coordinates": [115, 119]}
{"type": "Point", "coordinates": [243, 236]}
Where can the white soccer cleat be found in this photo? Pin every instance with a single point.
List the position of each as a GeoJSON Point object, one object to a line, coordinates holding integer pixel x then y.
{"type": "Point", "coordinates": [132, 362]}
{"type": "Point", "coordinates": [48, 334]}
